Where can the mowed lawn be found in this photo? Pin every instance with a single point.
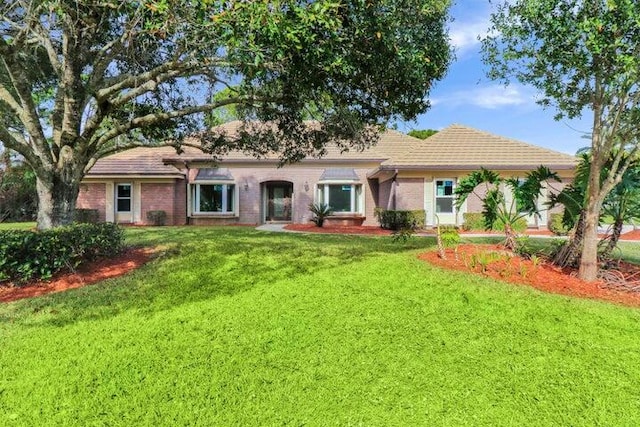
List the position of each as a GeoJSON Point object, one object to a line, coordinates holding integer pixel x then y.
{"type": "Point", "coordinates": [233, 326]}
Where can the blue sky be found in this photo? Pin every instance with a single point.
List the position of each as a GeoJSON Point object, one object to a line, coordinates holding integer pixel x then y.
{"type": "Point", "coordinates": [466, 96]}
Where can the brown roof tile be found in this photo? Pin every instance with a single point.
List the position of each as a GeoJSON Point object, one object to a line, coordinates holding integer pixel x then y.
{"type": "Point", "coordinates": [458, 146]}
{"type": "Point", "coordinates": [455, 147]}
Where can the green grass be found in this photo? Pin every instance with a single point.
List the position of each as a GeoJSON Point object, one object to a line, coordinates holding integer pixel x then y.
{"type": "Point", "coordinates": [237, 327]}
{"type": "Point", "coordinates": [17, 226]}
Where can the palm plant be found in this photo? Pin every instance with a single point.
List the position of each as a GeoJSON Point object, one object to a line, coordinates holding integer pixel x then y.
{"type": "Point", "coordinates": [320, 211]}
{"type": "Point", "coordinates": [496, 209]}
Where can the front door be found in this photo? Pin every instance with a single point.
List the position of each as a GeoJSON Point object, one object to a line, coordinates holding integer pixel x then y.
{"type": "Point", "coordinates": [278, 201]}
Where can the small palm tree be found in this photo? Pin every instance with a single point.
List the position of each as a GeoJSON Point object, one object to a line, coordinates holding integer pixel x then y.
{"type": "Point", "coordinates": [320, 211]}
{"type": "Point", "coordinates": [495, 208]}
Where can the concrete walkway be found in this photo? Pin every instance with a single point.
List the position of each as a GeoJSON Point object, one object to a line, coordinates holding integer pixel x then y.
{"type": "Point", "coordinates": [275, 228]}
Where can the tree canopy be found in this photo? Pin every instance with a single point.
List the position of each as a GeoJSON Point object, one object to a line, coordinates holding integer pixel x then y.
{"type": "Point", "coordinates": [83, 79]}
{"type": "Point", "coordinates": [422, 133]}
{"type": "Point", "coordinates": [584, 58]}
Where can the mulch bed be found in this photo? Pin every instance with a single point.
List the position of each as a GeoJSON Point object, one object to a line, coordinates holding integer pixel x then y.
{"type": "Point", "coordinates": [508, 267]}
{"type": "Point", "coordinates": [86, 274]}
{"type": "Point", "coordinates": [631, 235]}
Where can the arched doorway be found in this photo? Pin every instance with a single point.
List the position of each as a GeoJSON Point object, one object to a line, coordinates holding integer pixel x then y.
{"type": "Point", "coordinates": [277, 201]}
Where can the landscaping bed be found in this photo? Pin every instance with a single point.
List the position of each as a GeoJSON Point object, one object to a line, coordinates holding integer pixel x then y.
{"type": "Point", "coordinates": [495, 262]}
{"type": "Point", "coordinates": [86, 274]}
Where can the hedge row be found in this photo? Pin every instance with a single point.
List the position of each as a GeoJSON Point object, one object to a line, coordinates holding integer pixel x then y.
{"type": "Point", "coordinates": [400, 220]}
{"type": "Point", "coordinates": [27, 255]}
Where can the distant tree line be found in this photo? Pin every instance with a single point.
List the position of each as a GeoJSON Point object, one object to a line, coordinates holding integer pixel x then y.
{"type": "Point", "coordinates": [18, 197]}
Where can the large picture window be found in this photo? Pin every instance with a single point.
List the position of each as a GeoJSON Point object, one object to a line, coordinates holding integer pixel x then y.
{"type": "Point", "coordinates": [214, 198]}
{"type": "Point", "coordinates": [444, 196]}
{"type": "Point", "coordinates": [341, 198]}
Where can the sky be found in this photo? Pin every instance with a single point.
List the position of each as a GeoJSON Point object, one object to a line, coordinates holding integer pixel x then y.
{"type": "Point", "coordinates": [467, 97]}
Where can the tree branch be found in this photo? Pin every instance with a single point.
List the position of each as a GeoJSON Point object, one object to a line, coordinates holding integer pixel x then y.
{"type": "Point", "coordinates": [154, 118]}
{"type": "Point", "coordinates": [29, 116]}
{"type": "Point", "coordinates": [7, 98]}
{"type": "Point", "coordinates": [17, 143]}
{"type": "Point", "coordinates": [131, 81]}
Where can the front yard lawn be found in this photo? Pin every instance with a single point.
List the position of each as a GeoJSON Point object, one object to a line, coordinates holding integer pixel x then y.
{"type": "Point", "coordinates": [237, 327]}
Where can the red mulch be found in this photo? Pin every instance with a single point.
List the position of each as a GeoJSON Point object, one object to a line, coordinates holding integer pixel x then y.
{"type": "Point", "coordinates": [513, 269]}
{"type": "Point", "coordinates": [631, 235]}
{"type": "Point", "coordinates": [85, 275]}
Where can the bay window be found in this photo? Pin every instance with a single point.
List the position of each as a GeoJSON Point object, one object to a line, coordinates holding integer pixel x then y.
{"type": "Point", "coordinates": [341, 198]}
{"type": "Point", "coordinates": [214, 198]}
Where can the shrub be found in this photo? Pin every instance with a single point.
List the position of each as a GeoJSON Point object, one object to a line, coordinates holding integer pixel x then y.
{"type": "Point", "coordinates": [320, 211]}
{"type": "Point", "coordinates": [26, 255]}
{"type": "Point", "coordinates": [472, 221]}
{"type": "Point", "coordinates": [449, 235]}
{"type": "Point", "coordinates": [400, 220]}
{"type": "Point", "coordinates": [556, 225]}
{"type": "Point", "coordinates": [87, 216]}
{"type": "Point", "coordinates": [157, 217]}
{"type": "Point", "coordinates": [475, 221]}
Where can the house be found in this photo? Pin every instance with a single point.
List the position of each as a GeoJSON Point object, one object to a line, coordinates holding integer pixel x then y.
{"type": "Point", "coordinates": [400, 172]}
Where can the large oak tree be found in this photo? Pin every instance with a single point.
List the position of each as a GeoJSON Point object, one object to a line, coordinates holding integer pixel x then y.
{"type": "Point", "coordinates": [584, 58]}
{"type": "Point", "coordinates": [80, 80]}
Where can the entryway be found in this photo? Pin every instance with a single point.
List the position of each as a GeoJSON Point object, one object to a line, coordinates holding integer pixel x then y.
{"type": "Point", "coordinates": [277, 198]}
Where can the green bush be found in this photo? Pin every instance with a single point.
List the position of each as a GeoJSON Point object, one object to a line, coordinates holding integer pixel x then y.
{"type": "Point", "coordinates": [400, 220]}
{"type": "Point", "coordinates": [27, 255]}
{"type": "Point", "coordinates": [320, 211]}
{"type": "Point", "coordinates": [556, 226]}
{"type": "Point", "coordinates": [475, 221]}
{"type": "Point", "coordinates": [157, 217]}
{"type": "Point", "coordinates": [472, 221]}
{"type": "Point", "coordinates": [449, 235]}
{"type": "Point", "coordinates": [87, 216]}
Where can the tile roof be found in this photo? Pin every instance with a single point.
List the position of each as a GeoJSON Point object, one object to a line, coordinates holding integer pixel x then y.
{"type": "Point", "coordinates": [460, 147]}
{"type": "Point", "coordinates": [137, 161]}
{"type": "Point", "coordinates": [456, 147]}
{"type": "Point", "coordinates": [391, 143]}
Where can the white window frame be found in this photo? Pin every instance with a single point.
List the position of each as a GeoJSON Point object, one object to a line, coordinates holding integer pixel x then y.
{"type": "Point", "coordinates": [452, 196]}
{"type": "Point", "coordinates": [118, 198]}
{"type": "Point", "coordinates": [195, 199]}
{"type": "Point", "coordinates": [355, 198]}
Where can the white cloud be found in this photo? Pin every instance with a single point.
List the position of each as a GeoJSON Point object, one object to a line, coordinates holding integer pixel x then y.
{"type": "Point", "coordinates": [464, 35]}
{"type": "Point", "coordinates": [487, 97]}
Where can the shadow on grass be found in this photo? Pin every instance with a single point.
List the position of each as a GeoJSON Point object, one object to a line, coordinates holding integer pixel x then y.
{"type": "Point", "coordinates": [204, 263]}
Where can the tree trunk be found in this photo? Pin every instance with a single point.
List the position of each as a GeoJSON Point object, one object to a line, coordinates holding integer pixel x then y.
{"type": "Point", "coordinates": [569, 254]}
{"type": "Point", "coordinates": [588, 270]}
{"type": "Point", "coordinates": [511, 238]}
{"type": "Point", "coordinates": [57, 200]}
{"type": "Point", "coordinates": [613, 239]}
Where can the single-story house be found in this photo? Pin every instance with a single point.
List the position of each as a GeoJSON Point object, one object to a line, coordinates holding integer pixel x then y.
{"type": "Point", "coordinates": [400, 172]}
